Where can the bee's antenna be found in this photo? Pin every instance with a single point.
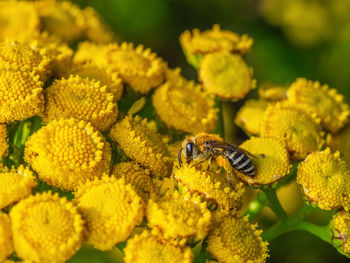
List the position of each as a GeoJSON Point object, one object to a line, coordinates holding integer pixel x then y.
{"type": "Point", "coordinates": [179, 157]}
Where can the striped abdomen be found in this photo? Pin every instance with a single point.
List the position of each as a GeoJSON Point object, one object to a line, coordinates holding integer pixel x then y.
{"type": "Point", "coordinates": [240, 161]}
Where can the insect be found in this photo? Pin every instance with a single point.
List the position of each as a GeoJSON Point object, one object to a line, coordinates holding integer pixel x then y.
{"type": "Point", "coordinates": [206, 147]}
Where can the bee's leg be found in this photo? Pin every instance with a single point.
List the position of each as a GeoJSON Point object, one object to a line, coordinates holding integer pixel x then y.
{"type": "Point", "coordinates": [209, 162]}
{"type": "Point", "coordinates": [229, 177]}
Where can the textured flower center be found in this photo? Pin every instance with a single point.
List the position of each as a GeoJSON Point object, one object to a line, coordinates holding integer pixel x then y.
{"type": "Point", "coordinates": [131, 60]}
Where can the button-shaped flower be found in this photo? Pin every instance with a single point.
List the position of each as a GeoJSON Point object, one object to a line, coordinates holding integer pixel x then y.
{"type": "Point", "coordinates": [6, 246]}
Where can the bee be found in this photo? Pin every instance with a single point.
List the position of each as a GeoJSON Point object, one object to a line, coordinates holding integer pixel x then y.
{"type": "Point", "coordinates": [206, 147]}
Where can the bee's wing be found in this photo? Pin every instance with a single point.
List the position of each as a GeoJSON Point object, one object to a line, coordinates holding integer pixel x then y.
{"type": "Point", "coordinates": [227, 146]}
{"type": "Point", "coordinates": [247, 152]}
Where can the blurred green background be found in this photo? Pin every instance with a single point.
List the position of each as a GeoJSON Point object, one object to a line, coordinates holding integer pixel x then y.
{"type": "Point", "coordinates": [292, 38]}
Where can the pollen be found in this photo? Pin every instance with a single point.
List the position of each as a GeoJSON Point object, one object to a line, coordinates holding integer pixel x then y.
{"type": "Point", "coordinates": [21, 95]}
{"type": "Point", "coordinates": [324, 179]}
{"type": "Point", "coordinates": [179, 216]}
{"type": "Point", "coordinates": [82, 99]}
{"type": "Point", "coordinates": [236, 240]}
{"type": "Point", "coordinates": [212, 186]}
{"type": "Point", "coordinates": [250, 115]}
{"type": "Point", "coordinates": [226, 75]}
{"type": "Point", "coordinates": [46, 228]}
{"type": "Point", "coordinates": [185, 107]}
{"type": "Point", "coordinates": [3, 141]}
{"type": "Point", "coordinates": [299, 129]}
{"type": "Point", "coordinates": [270, 159]}
{"type": "Point", "coordinates": [15, 184]}
{"type": "Point", "coordinates": [68, 152]}
{"type": "Point", "coordinates": [111, 209]}
{"type": "Point", "coordinates": [327, 103]}
{"type": "Point", "coordinates": [143, 144]}
{"type": "Point", "coordinates": [6, 246]}
{"type": "Point", "coordinates": [340, 226]}
{"type": "Point", "coordinates": [149, 248]}
{"type": "Point", "coordinates": [138, 177]}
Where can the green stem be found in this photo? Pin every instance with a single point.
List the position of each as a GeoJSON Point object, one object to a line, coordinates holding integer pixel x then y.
{"type": "Point", "coordinates": [269, 197]}
{"type": "Point", "coordinates": [321, 232]}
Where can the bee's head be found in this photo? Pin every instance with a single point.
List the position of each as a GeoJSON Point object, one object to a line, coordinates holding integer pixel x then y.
{"type": "Point", "coordinates": [189, 150]}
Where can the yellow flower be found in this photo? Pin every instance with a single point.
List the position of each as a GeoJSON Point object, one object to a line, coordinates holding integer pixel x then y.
{"type": "Point", "coordinates": [250, 115]}
{"type": "Point", "coordinates": [341, 142]}
{"type": "Point", "coordinates": [324, 179]}
{"type": "Point", "coordinates": [138, 177]}
{"type": "Point", "coordinates": [174, 76]}
{"type": "Point", "coordinates": [214, 40]}
{"type": "Point", "coordinates": [149, 248]}
{"type": "Point", "coordinates": [185, 107]}
{"type": "Point", "coordinates": [111, 210]}
{"type": "Point", "coordinates": [91, 53]}
{"type": "Point", "coordinates": [340, 227]}
{"type": "Point", "coordinates": [66, 153]}
{"type": "Point", "coordinates": [3, 141]}
{"type": "Point", "coordinates": [236, 240]}
{"type": "Point", "coordinates": [299, 129]}
{"type": "Point", "coordinates": [82, 99]}
{"type": "Point", "coordinates": [15, 184]}
{"type": "Point", "coordinates": [213, 186]}
{"type": "Point", "coordinates": [21, 95]}
{"type": "Point", "coordinates": [271, 160]}
{"type": "Point", "coordinates": [142, 144]}
{"type": "Point", "coordinates": [104, 75]}
{"type": "Point", "coordinates": [226, 75]}
{"type": "Point", "coordinates": [6, 246]}
{"type": "Point", "coordinates": [20, 56]}
{"type": "Point", "coordinates": [46, 228]}
{"type": "Point", "coordinates": [272, 92]}
{"type": "Point", "coordinates": [19, 20]}
{"type": "Point", "coordinates": [179, 216]}
{"type": "Point", "coordinates": [327, 103]}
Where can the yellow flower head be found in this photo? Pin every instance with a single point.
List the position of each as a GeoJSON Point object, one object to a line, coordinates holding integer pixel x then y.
{"type": "Point", "coordinates": [340, 227]}
{"type": "Point", "coordinates": [19, 20]}
{"type": "Point", "coordinates": [213, 186]}
{"type": "Point", "coordinates": [15, 184]}
{"type": "Point", "coordinates": [324, 179]}
{"type": "Point", "coordinates": [138, 177]}
{"type": "Point", "coordinates": [82, 99]}
{"type": "Point", "coordinates": [6, 246]}
{"type": "Point", "coordinates": [143, 144]}
{"type": "Point", "coordinates": [91, 53]}
{"type": "Point", "coordinates": [341, 142]}
{"type": "Point", "coordinates": [46, 228]}
{"type": "Point", "coordinates": [104, 75]}
{"type": "Point", "coordinates": [174, 76]}
{"type": "Point", "coordinates": [150, 248]}
{"type": "Point", "coordinates": [138, 67]}
{"type": "Point", "coordinates": [179, 216]}
{"type": "Point", "coordinates": [66, 153]}
{"type": "Point", "coordinates": [21, 95]}
{"type": "Point", "coordinates": [185, 107]}
{"type": "Point", "coordinates": [20, 56]}
{"type": "Point", "coordinates": [226, 75]}
{"type": "Point", "coordinates": [214, 40]}
{"type": "Point", "coordinates": [271, 160]}
{"type": "Point", "coordinates": [236, 240]}
{"type": "Point", "coordinates": [111, 209]}
{"type": "Point", "coordinates": [272, 92]}
{"type": "Point", "coordinates": [3, 141]}
{"type": "Point", "coordinates": [250, 115]}
{"type": "Point", "coordinates": [299, 129]}
{"type": "Point", "coordinates": [327, 103]}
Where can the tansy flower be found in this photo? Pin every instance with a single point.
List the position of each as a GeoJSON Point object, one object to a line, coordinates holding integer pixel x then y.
{"type": "Point", "coordinates": [214, 40]}
{"type": "Point", "coordinates": [3, 141]}
{"type": "Point", "coordinates": [143, 144]}
{"type": "Point", "coordinates": [91, 53]}
{"type": "Point", "coordinates": [46, 228]}
{"type": "Point", "coordinates": [236, 240]}
{"type": "Point", "coordinates": [250, 115]}
{"type": "Point", "coordinates": [19, 20]}
{"type": "Point", "coordinates": [21, 95]}
{"type": "Point", "coordinates": [6, 246]}
{"type": "Point", "coordinates": [185, 107]}
{"type": "Point", "coordinates": [104, 75]}
{"type": "Point", "coordinates": [66, 153]}
{"type": "Point", "coordinates": [149, 248]}
{"type": "Point", "coordinates": [174, 76]}
{"type": "Point", "coordinates": [272, 92]}
{"type": "Point", "coordinates": [299, 129]}
{"type": "Point", "coordinates": [226, 75]}
{"type": "Point", "coordinates": [341, 142]}
{"type": "Point", "coordinates": [213, 186]}
{"type": "Point", "coordinates": [82, 99]}
{"type": "Point", "coordinates": [179, 216]}
{"type": "Point", "coordinates": [324, 179]}
{"type": "Point", "coordinates": [111, 210]}
{"type": "Point", "coordinates": [138, 177]}
{"type": "Point", "coordinates": [340, 227]}
{"type": "Point", "coordinates": [20, 56]}
{"type": "Point", "coordinates": [271, 160]}
{"type": "Point", "coordinates": [15, 184]}
{"type": "Point", "coordinates": [327, 103]}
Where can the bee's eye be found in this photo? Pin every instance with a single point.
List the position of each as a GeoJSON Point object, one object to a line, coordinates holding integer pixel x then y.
{"type": "Point", "coordinates": [189, 149]}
